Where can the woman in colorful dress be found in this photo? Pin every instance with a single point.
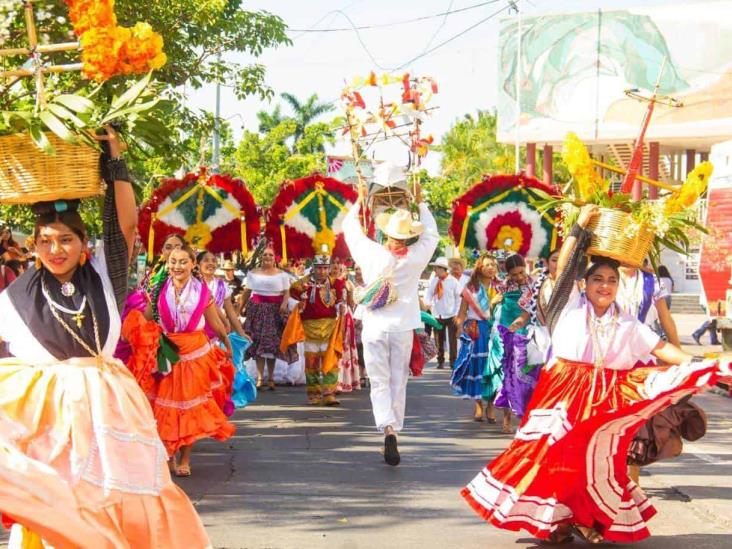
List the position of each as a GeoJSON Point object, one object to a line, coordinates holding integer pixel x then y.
{"type": "Point", "coordinates": [81, 463]}
{"type": "Point", "coordinates": [359, 284]}
{"type": "Point", "coordinates": [183, 387]}
{"type": "Point", "coordinates": [239, 389]}
{"type": "Point", "coordinates": [139, 299]}
{"type": "Point", "coordinates": [565, 472]}
{"type": "Point", "coordinates": [266, 308]}
{"type": "Point", "coordinates": [474, 325]}
{"type": "Point", "coordinates": [349, 371]}
{"type": "Point", "coordinates": [506, 384]}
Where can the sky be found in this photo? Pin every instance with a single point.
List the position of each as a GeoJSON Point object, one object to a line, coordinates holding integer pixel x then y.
{"type": "Point", "coordinates": [321, 62]}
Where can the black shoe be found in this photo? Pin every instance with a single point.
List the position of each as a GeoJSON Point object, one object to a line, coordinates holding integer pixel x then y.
{"type": "Point", "coordinates": [440, 366]}
{"type": "Point", "coordinates": [696, 338]}
{"type": "Point", "coordinates": [391, 452]}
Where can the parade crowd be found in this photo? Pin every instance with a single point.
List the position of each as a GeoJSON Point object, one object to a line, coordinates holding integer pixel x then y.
{"type": "Point", "coordinates": [105, 393]}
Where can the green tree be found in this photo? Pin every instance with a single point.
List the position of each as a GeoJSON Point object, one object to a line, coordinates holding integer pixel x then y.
{"type": "Point", "coordinates": [471, 152]}
{"type": "Point", "coordinates": [305, 113]}
{"type": "Point", "coordinates": [198, 36]}
{"type": "Point", "coordinates": [265, 161]}
{"type": "Point", "coordinates": [269, 120]}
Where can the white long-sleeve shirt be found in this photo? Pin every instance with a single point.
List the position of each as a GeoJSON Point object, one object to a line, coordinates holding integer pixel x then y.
{"type": "Point", "coordinates": [449, 305]}
{"type": "Point", "coordinates": [375, 261]}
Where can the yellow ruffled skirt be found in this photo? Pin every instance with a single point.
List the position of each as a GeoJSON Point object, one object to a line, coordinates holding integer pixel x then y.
{"type": "Point", "coordinates": [81, 463]}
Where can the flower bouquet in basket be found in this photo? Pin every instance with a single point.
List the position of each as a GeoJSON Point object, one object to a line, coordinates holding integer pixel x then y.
{"type": "Point", "coordinates": [629, 230]}
{"type": "Point", "coordinates": [50, 114]}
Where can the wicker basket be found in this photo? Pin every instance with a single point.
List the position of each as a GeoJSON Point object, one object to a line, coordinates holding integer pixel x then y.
{"type": "Point", "coordinates": [609, 238]}
{"type": "Point", "coordinates": [29, 175]}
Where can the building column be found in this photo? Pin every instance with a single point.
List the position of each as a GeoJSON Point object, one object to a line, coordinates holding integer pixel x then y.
{"type": "Point", "coordinates": [690, 160]}
{"type": "Point", "coordinates": [548, 168]}
{"type": "Point", "coordinates": [703, 157]}
{"type": "Point", "coordinates": [654, 154]}
{"type": "Point", "coordinates": [531, 159]}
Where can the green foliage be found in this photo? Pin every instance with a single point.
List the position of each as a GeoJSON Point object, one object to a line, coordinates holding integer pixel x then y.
{"type": "Point", "coordinates": [197, 34]}
{"type": "Point", "coordinates": [305, 113]}
{"type": "Point", "coordinates": [471, 152]}
{"type": "Point", "coordinates": [264, 160]}
{"type": "Point", "coordinates": [21, 219]}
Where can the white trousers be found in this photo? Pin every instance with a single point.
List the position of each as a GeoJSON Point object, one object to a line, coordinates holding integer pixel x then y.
{"type": "Point", "coordinates": [387, 355]}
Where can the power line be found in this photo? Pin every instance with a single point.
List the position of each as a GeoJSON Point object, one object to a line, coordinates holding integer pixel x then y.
{"type": "Point", "coordinates": [312, 28]}
{"type": "Point", "coordinates": [454, 37]}
{"type": "Point", "coordinates": [353, 27]}
{"type": "Point", "coordinates": [442, 26]}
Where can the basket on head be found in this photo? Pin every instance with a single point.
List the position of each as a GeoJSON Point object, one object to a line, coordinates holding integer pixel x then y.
{"type": "Point", "coordinates": [610, 238]}
{"type": "Point", "coordinates": [29, 175]}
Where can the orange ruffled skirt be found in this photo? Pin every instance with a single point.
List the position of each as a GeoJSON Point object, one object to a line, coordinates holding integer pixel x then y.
{"type": "Point", "coordinates": [81, 464]}
{"type": "Point", "coordinates": [188, 402]}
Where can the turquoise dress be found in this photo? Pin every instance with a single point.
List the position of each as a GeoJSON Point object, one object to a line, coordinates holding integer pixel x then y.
{"type": "Point", "coordinates": [505, 313]}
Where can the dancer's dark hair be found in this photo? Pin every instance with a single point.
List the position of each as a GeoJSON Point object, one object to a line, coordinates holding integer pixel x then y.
{"type": "Point", "coordinates": [513, 261]}
{"type": "Point", "coordinates": [598, 261]}
{"type": "Point", "coordinates": [59, 211]}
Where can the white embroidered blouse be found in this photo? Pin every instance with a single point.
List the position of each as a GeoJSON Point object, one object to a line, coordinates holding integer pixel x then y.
{"type": "Point", "coordinates": [623, 346]}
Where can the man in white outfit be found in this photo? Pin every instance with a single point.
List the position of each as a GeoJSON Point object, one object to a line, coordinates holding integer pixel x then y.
{"type": "Point", "coordinates": [443, 297]}
{"type": "Point", "coordinates": [388, 331]}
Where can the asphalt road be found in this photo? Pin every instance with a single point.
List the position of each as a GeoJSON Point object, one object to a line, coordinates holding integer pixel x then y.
{"type": "Point", "coordinates": [299, 477]}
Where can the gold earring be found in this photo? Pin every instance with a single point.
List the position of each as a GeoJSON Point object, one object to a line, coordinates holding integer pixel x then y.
{"type": "Point", "coordinates": [82, 259]}
{"type": "Point", "coordinates": [38, 263]}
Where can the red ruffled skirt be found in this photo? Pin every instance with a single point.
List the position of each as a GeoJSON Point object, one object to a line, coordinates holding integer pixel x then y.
{"type": "Point", "coordinates": [567, 463]}
{"type": "Point", "coordinates": [188, 402]}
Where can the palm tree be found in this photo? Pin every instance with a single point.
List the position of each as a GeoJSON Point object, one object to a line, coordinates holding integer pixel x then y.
{"type": "Point", "coordinates": [269, 120]}
{"type": "Point", "coordinates": [305, 113]}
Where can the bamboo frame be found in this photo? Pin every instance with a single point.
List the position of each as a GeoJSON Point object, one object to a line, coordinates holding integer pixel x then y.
{"type": "Point", "coordinates": [659, 184]}
{"type": "Point", "coordinates": [35, 51]}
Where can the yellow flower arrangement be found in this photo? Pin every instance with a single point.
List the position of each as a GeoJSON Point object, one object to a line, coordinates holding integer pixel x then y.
{"type": "Point", "coordinates": [694, 186]}
{"type": "Point", "coordinates": [578, 162]}
{"type": "Point", "coordinates": [110, 49]}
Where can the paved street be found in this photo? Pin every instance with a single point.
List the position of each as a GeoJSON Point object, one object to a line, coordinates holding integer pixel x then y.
{"type": "Point", "coordinates": [298, 477]}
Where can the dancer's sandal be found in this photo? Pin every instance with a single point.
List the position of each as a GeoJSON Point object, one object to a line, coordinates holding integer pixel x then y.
{"type": "Point", "coordinates": [558, 538]}
{"type": "Point", "coordinates": [271, 385]}
{"type": "Point", "coordinates": [588, 535]}
{"type": "Point", "coordinates": [183, 470]}
{"type": "Point", "coordinates": [491, 420]}
{"type": "Point", "coordinates": [259, 383]}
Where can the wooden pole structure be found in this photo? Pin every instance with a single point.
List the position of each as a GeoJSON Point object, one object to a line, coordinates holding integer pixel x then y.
{"type": "Point", "coordinates": [35, 52]}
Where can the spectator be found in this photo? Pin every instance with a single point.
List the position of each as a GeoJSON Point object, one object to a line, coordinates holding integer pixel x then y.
{"type": "Point", "coordinates": [710, 325]}
{"type": "Point", "coordinates": [443, 294]}
{"type": "Point", "coordinates": [667, 283]}
{"type": "Point", "coordinates": [232, 281]}
{"type": "Point", "coordinates": [457, 269]}
{"type": "Point", "coordinates": [9, 248]}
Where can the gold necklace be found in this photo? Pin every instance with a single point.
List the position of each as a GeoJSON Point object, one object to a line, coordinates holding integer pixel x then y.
{"type": "Point", "coordinates": [71, 332]}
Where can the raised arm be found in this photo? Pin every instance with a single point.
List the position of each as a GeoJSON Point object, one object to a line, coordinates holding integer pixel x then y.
{"type": "Point", "coordinates": [428, 240]}
{"type": "Point", "coordinates": [122, 195]}
{"type": "Point", "coordinates": [361, 246]}
{"type": "Point", "coordinates": [568, 264]}
{"type": "Point", "coordinates": [119, 217]}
